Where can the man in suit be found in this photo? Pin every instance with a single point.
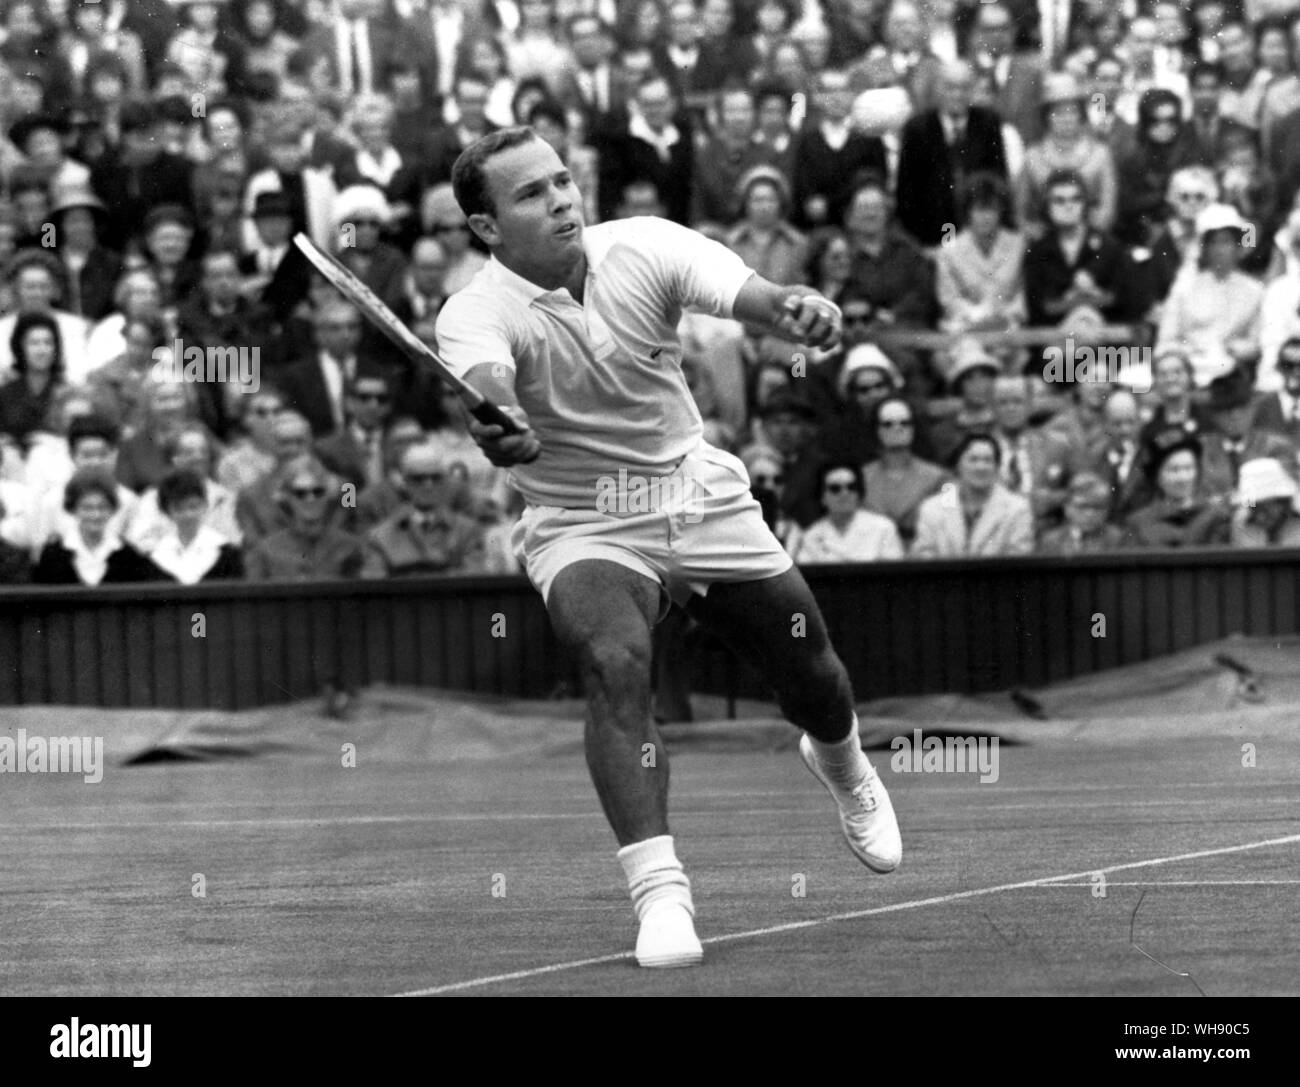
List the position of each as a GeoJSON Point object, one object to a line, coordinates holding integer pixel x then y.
{"type": "Point", "coordinates": [654, 144]}
{"type": "Point", "coordinates": [1237, 439]}
{"type": "Point", "coordinates": [1016, 76]}
{"type": "Point", "coordinates": [902, 60]}
{"type": "Point", "coordinates": [356, 450]}
{"type": "Point", "coordinates": [940, 149]}
{"type": "Point", "coordinates": [593, 89]}
{"type": "Point", "coordinates": [1211, 134]}
{"type": "Point", "coordinates": [471, 97]}
{"type": "Point", "coordinates": [830, 159]}
{"type": "Point", "coordinates": [1034, 463]}
{"type": "Point", "coordinates": [258, 510]}
{"type": "Point", "coordinates": [888, 270]}
{"type": "Point", "coordinates": [1118, 458]}
{"type": "Point", "coordinates": [315, 385]}
{"type": "Point", "coordinates": [358, 45]}
{"type": "Point", "coordinates": [1279, 412]}
{"type": "Point", "coordinates": [276, 274]}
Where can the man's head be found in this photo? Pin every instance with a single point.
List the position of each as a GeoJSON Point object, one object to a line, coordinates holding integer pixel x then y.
{"type": "Point", "coordinates": [655, 101]}
{"type": "Point", "coordinates": [471, 99]}
{"type": "Point", "coordinates": [589, 40]}
{"type": "Point", "coordinates": [369, 400]}
{"type": "Point", "coordinates": [1206, 81]}
{"type": "Point", "coordinates": [1121, 419]}
{"type": "Point", "coordinates": [337, 326]}
{"type": "Point", "coordinates": [1067, 200]}
{"type": "Point", "coordinates": [684, 28]}
{"type": "Point", "coordinates": [1011, 403]}
{"type": "Point", "coordinates": [1173, 376]}
{"type": "Point", "coordinates": [521, 201]}
{"type": "Point", "coordinates": [904, 28]}
{"type": "Point", "coordinates": [548, 120]}
{"type": "Point", "coordinates": [736, 114]}
{"type": "Point", "coordinates": [92, 442]}
{"type": "Point", "coordinates": [221, 277]}
{"type": "Point", "coordinates": [428, 266]}
{"type": "Point", "coordinates": [1088, 503]}
{"type": "Point", "coordinates": [1288, 365]}
{"type": "Point", "coordinates": [425, 477]}
{"type": "Point", "coordinates": [1140, 43]}
{"type": "Point", "coordinates": [1236, 48]}
{"type": "Point", "coordinates": [291, 436]}
{"type": "Point", "coordinates": [867, 217]}
{"type": "Point", "coordinates": [1191, 190]}
{"type": "Point", "coordinates": [995, 30]}
{"type": "Point", "coordinates": [35, 285]}
{"type": "Point", "coordinates": [834, 96]}
{"type": "Point", "coordinates": [956, 86]}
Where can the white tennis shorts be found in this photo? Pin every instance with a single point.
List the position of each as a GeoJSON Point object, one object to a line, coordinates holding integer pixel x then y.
{"type": "Point", "coordinates": [685, 530]}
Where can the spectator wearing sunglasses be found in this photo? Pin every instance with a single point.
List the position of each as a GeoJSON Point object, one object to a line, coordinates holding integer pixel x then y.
{"type": "Point", "coordinates": [767, 485]}
{"type": "Point", "coordinates": [443, 220]}
{"type": "Point", "coordinates": [251, 457]}
{"type": "Point", "coordinates": [356, 450]}
{"type": "Point", "coordinates": [867, 377]}
{"type": "Point", "coordinates": [898, 480]}
{"type": "Point", "coordinates": [847, 532]}
{"type": "Point", "coordinates": [311, 547]}
{"type": "Point", "coordinates": [425, 535]}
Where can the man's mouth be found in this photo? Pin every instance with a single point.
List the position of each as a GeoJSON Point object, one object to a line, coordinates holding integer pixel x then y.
{"type": "Point", "coordinates": [567, 230]}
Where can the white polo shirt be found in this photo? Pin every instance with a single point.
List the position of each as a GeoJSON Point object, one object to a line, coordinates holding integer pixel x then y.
{"type": "Point", "coordinates": [601, 382]}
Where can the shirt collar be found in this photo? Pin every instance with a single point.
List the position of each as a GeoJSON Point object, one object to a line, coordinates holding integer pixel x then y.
{"type": "Point", "coordinates": [596, 246]}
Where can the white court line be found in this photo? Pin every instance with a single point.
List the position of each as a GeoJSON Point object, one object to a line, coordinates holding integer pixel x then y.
{"type": "Point", "coordinates": [1191, 883]}
{"type": "Point", "coordinates": [897, 907]}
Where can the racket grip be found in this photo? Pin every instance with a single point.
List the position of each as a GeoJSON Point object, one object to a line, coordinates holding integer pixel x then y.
{"type": "Point", "coordinates": [489, 414]}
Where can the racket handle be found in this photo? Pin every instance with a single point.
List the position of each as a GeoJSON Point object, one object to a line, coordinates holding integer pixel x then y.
{"type": "Point", "coordinates": [489, 414]}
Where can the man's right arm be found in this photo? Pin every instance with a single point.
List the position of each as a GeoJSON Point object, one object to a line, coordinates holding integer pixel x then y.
{"type": "Point", "coordinates": [497, 384]}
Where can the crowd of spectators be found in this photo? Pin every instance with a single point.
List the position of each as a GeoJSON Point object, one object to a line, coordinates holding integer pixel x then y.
{"type": "Point", "coordinates": [951, 172]}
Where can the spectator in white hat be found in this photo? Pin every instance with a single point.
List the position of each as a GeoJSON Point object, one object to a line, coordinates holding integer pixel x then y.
{"type": "Point", "coordinates": [1215, 314]}
{"type": "Point", "coordinates": [362, 214]}
{"type": "Point", "coordinates": [1267, 514]}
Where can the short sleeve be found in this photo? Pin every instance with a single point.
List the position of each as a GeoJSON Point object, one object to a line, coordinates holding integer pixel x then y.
{"type": "Point", "coordinates": [705, 275]}
{"type": "Point", "coordinates": [470, 334]}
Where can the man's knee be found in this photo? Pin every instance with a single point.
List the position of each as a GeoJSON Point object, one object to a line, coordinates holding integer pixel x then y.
{"type": "Point", "coordinates": [822, 688]}
{"type": "Point", "coordinates": [617, 666]}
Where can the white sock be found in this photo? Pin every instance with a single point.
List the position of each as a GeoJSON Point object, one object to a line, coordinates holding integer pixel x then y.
{"type": "Point", "coordinates": [843, 761]}
{"type": "Point", "coordinates": [655, 875]}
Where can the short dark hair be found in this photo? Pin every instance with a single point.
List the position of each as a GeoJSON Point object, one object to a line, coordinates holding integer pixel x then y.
{"type": "Point", "coordinates": [23, 325]}
{"type": "Point", "coordinates": [974, 438]}
{"type": "Point", "coordinates": [86, 481]}
{"type": "Point", "coordinates": [984, 190]}
{"type": "Point", "coordinates": [178, 485]}
{"type": "Point", "coordinates": [551, 111]}
{"type": "Point", "coordinates": [91, 426]}
{"type": "Point", "coordinates": [468, 180]}
{"type": "Point", "coordinates": [823, 473]}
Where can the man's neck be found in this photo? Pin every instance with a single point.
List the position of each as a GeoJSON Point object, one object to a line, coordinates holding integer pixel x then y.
{"type": "Point", "coordinates": [896, 458]}
{"type": "Point", "coordinates": [552, 280]}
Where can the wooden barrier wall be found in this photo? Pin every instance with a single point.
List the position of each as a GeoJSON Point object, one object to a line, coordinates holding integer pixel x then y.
{"type": "Point", "coordinates": [902, 628]}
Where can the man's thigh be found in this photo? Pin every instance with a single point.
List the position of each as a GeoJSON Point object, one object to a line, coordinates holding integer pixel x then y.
{"type": "Point", "coordinates": [595, 599]}
{"type": "Point", "coordinates": [772, 622]}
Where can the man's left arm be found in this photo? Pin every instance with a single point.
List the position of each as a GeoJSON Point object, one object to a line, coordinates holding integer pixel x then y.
{"type": "Point", "coordinates": [799, 314]}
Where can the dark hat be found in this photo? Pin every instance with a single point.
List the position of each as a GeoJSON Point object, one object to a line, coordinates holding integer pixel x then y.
{"type": "Point", "coordinates": [1165, 444]}
{"type": "Point", "coordinates": [272, 203]}
{"type": "Point", "coordinates": [21, 130]}
{"type": "Point", "coordinates": [784, 402]}
{"type": "Point", "coordinates": [1231, 391]}
{"type": "Point", "coordinates": [167, 213]}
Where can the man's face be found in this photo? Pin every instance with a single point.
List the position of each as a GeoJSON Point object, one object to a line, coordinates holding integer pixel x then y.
{"type": "Point", "coordinates": [1141, 42]}
{"type": "Point", "coordinates": [538, 209]}
{"type": "Point", "coordinates": [655, 101]}
{"type": "Point", "coordinates": [1121, 420]}
{"type": "Point", "coordinates": [1172, 380]}
{"type": "Point", "coordinates": [192, 452]}
{"type": "Point", "coordinates": [1171, 27]}
{"type": "Point", "coordinates": [868, 215]}
{"type": "Point", "coordinates": [292, 437]}
{"type": "Point", "coordinates": [79, 227]}
{"type": "Point", "coordinates": [684, 25]}
{"type": "Point", "coordinates": [773, 114]}
{"type": "Point", "coordinates": [167, 404]}
{"type": "Point", "coordinates": [955, 89]}
{"type": "Point", "coordinates": [259, 419]}
{"type": "Point", "coordinates": [1238, 49]}
{"type": "Point", "coordinates": [763, 207]}
{"type": "Point", "coordinates": [426, 481]}
{"type": "Point", "coordinates": [1011, 406]}
{"type": "Point", "coordinates": [143, 296]}
{"type": "Point", "coordinates": [737, 115]}
{"type": "Point", "coordinates": [221, 279]}
{"type": "Point", "coordinates": [428, 268]}
{"type": "Point", "coordinates": [833, 95]}
{"type": "Point", "coordinates": [94, 452]}
{"type": "Point", "coordinates": [34, 289]}
{"type": "Point", "coordinates": [369, 403]}
{"type": "Point", "coordinates": [471, 99]}
{"type": "Point", "coordinates": [45, 149]}
{"type": "Point", "coordinates": [338, 331]}
{"type": "Point", "coordinates": [588, 44]}
{"type": "Point", "coordinates": [1108, 81]}
{"type": "Point", "coordinates": [994, 31]}
{"type": "Point", "coordinates": [977, 388]}
{"type": "Point", "coordinates": [640, 198]}
{"type": "Point", "coordinates": [1205, 94]}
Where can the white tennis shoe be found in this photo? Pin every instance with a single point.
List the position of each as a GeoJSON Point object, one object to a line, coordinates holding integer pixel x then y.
{"type": "Point", "coordinates": [667, 938]}
{"type": "Point", "coordinates": [866, 815]}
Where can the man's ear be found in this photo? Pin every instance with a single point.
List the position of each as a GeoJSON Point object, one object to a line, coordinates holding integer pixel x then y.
{"type": "Point", "coordinates": [485, 226]}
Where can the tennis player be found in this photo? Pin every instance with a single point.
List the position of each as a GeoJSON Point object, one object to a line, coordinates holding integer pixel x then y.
{"type": "Point", "coordinates": [573, 332]}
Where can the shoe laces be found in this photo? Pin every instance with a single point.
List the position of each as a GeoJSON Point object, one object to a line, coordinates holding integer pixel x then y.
{"type": "Point", "coordinates": [864, 793]}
